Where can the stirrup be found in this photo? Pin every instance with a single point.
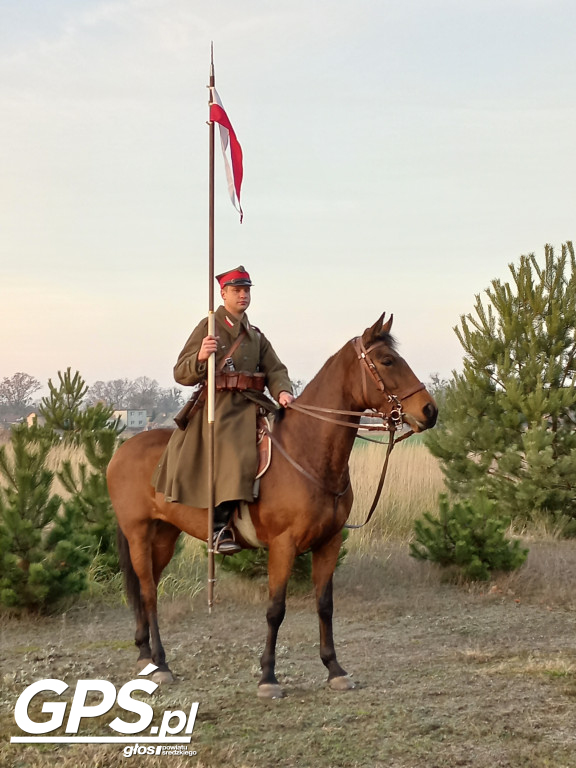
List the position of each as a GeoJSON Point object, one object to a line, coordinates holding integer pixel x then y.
{"type": "Point", "coordinates": [224, 542]}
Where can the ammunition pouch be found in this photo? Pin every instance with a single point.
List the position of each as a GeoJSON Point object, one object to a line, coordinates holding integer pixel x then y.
{"type": "Point", "coordinates": [229, 381]}
{"type": "Point", "coordinates": [239, 381]}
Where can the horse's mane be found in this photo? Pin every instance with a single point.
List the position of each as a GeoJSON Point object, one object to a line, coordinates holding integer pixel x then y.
{"type": "Point", "coordinates": [383, 337]}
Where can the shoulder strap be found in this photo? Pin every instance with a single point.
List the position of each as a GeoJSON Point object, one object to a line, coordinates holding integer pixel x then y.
{"type": "Point", "coordinates": [232, 348]}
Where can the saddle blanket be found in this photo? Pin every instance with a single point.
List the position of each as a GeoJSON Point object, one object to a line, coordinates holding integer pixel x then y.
{"type": "Point", "coordinates": [243, 524]}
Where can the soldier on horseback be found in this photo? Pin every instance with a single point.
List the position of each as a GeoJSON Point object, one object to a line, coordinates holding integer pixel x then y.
{"type": "Point", "coordinates": [246, 363]}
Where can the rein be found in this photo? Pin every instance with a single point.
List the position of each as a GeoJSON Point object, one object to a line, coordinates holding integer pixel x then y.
{"type": "Point", "coordinates": [392, 422]}
{"type": "Point", "coordinates": [300, 468]}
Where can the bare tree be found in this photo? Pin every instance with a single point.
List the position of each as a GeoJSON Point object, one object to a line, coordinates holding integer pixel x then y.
{"type": "Point", "coordinates": [117, 393]}
{"type": "Point", "coordinates": [145, 393]}
{"type": "Point", "coordinates": [170, 400]}
{"type": "Point", "coordinates": [16, 393]}
{"type": "Point", "coordinates": [141, 393]}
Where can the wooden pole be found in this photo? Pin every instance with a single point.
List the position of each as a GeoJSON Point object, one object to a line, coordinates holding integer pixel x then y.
{"type": "Point", "coordinates": [212, 358]}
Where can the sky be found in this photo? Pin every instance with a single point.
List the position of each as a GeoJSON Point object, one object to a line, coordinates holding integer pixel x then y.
{"type": "Point", "coordinates": [397, 157]}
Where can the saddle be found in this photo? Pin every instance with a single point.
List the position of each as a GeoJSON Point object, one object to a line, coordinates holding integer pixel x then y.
{"type": "Point", "coordinates": [264, 445]}
{"type": "Point", "coordinates": [241, 519]}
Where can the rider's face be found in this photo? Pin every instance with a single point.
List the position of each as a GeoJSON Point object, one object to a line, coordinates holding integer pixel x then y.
{"type": "Point", "coordinates": [236, 299]}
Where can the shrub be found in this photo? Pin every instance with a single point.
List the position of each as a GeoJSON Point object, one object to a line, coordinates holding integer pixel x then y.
{"type": "Point", "coordinates": [253, 563]}
{"type": "Point", "coordinates": [469, 535]}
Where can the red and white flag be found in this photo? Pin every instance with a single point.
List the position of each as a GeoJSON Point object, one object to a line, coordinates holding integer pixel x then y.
{"type": "Point", "coordinates": [231, 150]}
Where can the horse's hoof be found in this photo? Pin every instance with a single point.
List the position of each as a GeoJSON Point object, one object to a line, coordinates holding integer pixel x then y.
{"type": "Point", "coordinates": [342, 683]}
{"type": "Point", "coordinates": [149, 669]}
{"type": "Point", "coordinates": [270, 691]}
{"type": "Point", "coordinates": [162, 677]}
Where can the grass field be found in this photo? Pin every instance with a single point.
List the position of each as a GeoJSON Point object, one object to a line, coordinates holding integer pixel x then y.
{"type": "Point", "coordinates": [448, 674]}
{"type": "Point", "coordinates": [482, 676]}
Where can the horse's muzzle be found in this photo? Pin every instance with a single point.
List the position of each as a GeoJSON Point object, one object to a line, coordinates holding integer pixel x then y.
{"type": "Point", "coordinates": [430, 410]}
{"type": "Point", "coordinates": [426, 421]}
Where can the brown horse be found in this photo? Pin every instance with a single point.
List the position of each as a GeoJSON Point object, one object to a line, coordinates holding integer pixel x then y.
{"type": "Point", "coordinates": [304, 501]}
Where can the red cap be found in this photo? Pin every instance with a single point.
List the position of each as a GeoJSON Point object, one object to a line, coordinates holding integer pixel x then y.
{"type": "Point", "coordinates": [237, 276]}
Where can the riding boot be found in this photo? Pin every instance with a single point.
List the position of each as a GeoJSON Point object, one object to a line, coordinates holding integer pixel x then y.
{"type": "Point", "coordinates": [223, 541]}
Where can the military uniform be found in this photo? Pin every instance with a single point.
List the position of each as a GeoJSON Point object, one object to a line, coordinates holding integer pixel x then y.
{"type": "Point", "coordinates": [182, 473]}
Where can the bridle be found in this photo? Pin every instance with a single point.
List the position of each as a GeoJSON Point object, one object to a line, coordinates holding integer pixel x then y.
{"type": "Point", "coordinates": [391, 421]}
{"type": "Point", "coordinates": [394, 415]}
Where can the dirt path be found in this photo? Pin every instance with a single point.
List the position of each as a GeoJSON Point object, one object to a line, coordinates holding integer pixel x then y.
{"type": "Point", "coordinates": [444, 678]}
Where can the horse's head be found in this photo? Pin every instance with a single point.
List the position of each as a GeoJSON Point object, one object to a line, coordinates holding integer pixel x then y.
{"type": "Point", "coordinates": [387, 382]}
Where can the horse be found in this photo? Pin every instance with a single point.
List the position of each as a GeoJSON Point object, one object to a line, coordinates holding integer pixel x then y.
{"type": "Point", "coordinates": [304, 500]}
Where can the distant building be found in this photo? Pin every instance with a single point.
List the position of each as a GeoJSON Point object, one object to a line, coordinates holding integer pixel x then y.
{"type": "Point", "coordinates": [35, 418]}
{"type": "Point", "coordinates": [132, 418]}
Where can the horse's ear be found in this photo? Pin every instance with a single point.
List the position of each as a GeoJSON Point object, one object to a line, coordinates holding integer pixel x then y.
{"type": "Point", "coordinates": [378, 329]}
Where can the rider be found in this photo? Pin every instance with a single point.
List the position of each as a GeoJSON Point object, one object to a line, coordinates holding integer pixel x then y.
{"type": "Point", "coordinates": [182, 472]}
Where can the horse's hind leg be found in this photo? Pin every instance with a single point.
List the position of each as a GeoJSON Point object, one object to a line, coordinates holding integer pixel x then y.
{"type": "Point", "coordinates": [323, 564]}
{"type": "Point", "coordinates": [150, 552]}
{"type": "Point", "coordinates": [280, 560]}
{"type": "Point", "coordinates": [133, 593]}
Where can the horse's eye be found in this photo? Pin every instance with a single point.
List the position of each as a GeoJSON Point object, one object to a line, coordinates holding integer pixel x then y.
{"type": "Point", "coordinates": [387, 361]}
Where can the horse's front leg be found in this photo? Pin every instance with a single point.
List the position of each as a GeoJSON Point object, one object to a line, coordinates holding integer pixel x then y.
{"type": "Point", "coordinates": [280, 559]}
{"type": "Point", "coordinates": [324, 562]}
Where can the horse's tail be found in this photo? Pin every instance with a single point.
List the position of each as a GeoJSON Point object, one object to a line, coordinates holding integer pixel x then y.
{"type": "Point", "coordinates": [131, 580]}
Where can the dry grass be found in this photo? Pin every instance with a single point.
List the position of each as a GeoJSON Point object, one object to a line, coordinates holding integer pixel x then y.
{"type": "Point", "coordinates": [56, 457]}
{"type": "Point", "coordinates": [386, 571]}
{"type": "Point", "coordinates": [413, 482]}
{"type": "Point", "coordinates": [378, 553]}
{"type": "Point", "coordinates": [547, 577]}
{"type": "Point", "coordinates": [445, 676]}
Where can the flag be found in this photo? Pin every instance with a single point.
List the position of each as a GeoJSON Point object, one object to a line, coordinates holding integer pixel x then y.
{"type": "Point", "coordinates": [231, 150]}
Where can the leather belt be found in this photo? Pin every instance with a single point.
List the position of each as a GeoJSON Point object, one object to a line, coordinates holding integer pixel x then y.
{"type": "Point", "coordinates": [239, 381]}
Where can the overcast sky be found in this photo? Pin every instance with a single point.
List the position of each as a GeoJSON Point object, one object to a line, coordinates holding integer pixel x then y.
{"type": "Point", "coordinates": [397, 156]}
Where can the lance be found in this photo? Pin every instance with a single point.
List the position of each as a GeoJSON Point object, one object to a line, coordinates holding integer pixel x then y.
{"type": "Point", "coordinates": [211, 395]}
{"type": "Point", "coordinates": [234, 175]}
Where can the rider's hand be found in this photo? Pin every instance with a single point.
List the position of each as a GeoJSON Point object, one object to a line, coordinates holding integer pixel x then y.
{"type": "Point", "coordinates": [208, 346]}
{"type": "Point", "coordinates": [285, 398]}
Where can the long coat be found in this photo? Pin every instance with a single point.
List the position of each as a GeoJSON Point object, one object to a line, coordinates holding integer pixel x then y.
{"type": "Point", "coordinates": [182, 474]}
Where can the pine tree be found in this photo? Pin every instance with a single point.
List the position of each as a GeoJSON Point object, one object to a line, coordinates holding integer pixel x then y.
{"type": "Point", "coordinates": [65, 413]}
{"type": "Point", "coordinates": [94, 428]}
{"type": "Point", "coordinates": [62, 407]}
{"type": "Point", "coordinates": [508, 424]}
{"type": "Point", "coordinates": [43, 554]}
{"type": "Point", "coordinates": [89, 499]}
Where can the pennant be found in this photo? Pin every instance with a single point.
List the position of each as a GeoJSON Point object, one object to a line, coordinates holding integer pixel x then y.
{"type": "Point", "coordinates": [231, 150]}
